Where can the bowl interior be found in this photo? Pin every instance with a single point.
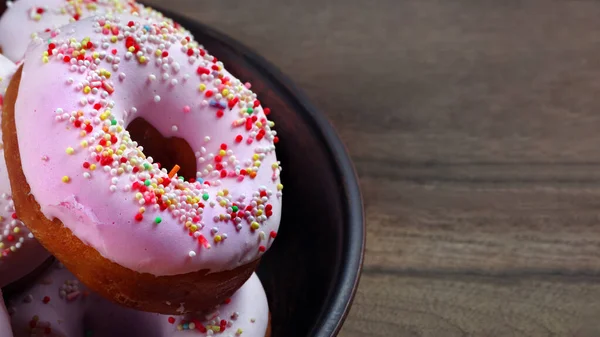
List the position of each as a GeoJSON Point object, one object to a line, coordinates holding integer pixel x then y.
{"type": "Point", "coordinates": [311, 272]}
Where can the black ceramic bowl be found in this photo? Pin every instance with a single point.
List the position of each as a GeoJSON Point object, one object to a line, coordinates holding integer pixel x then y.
{"type": "Point", "coordinates": [312, 271]}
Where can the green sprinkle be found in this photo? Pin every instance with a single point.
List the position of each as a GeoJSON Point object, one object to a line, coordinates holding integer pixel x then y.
{"type": "Point", "coordinates": [250, 110]}
{"type": "Point", "coordinates": [235, 208]}
{"type": "Point", "coordinates": [181, 178]}
{"type": "Point", "coordinates": [147, 182]}
{"type": "Point", "coordinates": [205, 196]}
{"type": "Point", "coordinates": [147, 166]}
{"type": "Point", "coordinates": [157, 220]}
{"type": "Point", "coordinates": [113, 122]}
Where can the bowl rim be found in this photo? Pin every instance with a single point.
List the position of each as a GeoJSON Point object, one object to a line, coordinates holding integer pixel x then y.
{"type": "Point", "coordinates": [331, 318]}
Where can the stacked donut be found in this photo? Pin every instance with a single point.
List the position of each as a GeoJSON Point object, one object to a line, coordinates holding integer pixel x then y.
{"type": "Point", "coordinates": [142, 165]}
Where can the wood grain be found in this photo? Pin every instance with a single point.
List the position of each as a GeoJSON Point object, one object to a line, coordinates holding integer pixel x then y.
{"type": "Point", "coordinates": [474, 127]}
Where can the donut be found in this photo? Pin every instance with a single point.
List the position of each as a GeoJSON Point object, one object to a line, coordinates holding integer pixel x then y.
{"type": "Point", "coordinates": [20, 253]}
{"type": "Point", "coordinates": [35, 16]}
{"type": "Point", "coordinates": [141, 163]}
{"type": "Point", "coordinates": [59, 305]}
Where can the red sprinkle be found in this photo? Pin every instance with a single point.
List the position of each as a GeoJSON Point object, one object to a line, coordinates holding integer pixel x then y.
{"type": "Point", "coordinates": [262, 249]}
{"type": "Point", "coordinates": [86, 165]}
{"type": "Point", "coordinates": [208, 93]}
{"type": "Point", "coordinates": [227, 301]}
{"type": "Point", "coordinates": [275, 140]}
{"type": "Point", "coordinates": [171, 320]}
{"type": "Point", "coordinates": [223, 146]}
{"type": "Point", "coordinates": [219, 113]}
{"type": "Point", "coordinates": [239, 138]}
{"type": "Point", "coordinates": [139, 217]}
{"type": "Point", "coordinates": [130, 24]}
{"type": "Point", "coordinates": [202, 70]}
{"type": "Point", "coordinates": [165, 54]}
{"type": "Point", "coordinates": [46, 299]}
{"type": "Point", "coordinates": [267, 111]}
{"type": "Point", "coordinates": [14, 215]}
{"type": "Point", "coordinates": [190, 52]}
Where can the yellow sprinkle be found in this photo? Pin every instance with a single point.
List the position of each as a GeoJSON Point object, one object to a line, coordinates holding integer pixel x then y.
{"type": "Point", "coordinates": [45, 53]}
{"type": "Point", "coordinates": [87, 90]}
{"type": "Point", "coordinates": [1, 246]}
{"type": "Point", "coordinates": [142, 209]}
{"type": "Point", "coordinates": [131, 49]}
{"type": "Point", "coordinates": [138, 195]}
{"type": "Point", "coordinates": [279, 187]}
{"type": "Point", "coordinates": [13, 249]}
{"type": "Point", "coordinates": [17, 230]}
{"type": "Point", "coordinates": [225, 192]}
{"type": "Point", "coordinates": [223, 203]}
{"type": "Point", "coordinates": [92, 167]}
{"type": "Point", "coordinates": [222, 153]}
{"type": "Point", "coordinates": [275, 166]}
{"type": "Point", "coordinates": [113, 39]}
{"type": "Point", "coordinates": [255, 225]}
{"type": "Point", "coordinates": [201, 87]}
{"type": "Point", "coordinates": [143, 59]}
{"type": "Point", "coordinates": [98, 148]}
{"type": "Point", "coordinates": [259, 212]}
{"type": "Point", "coordinates": [82, 133]}
{"type": "Point", "coordinates": [45, 59]}
{"type": "Point", "coordinates": [158, 52]}
{"type": "Point", "coordinates": [255, 156]}
{"type": "Point", "coordinates": [239, 331]}
{"type": "Point", "coordinates": [66, 179]}
{"type": "Point", "coordinates": [95, 55]}
{"type": "Point", "coordinates": [225, 92]}
{"type": "Point", "coordinates": [70, 150]}
{"type": "Point", "coordinates": [218, 238]}
{"type": "Point", "coordinates": [257, 163]}
{"type": "Point", "coordinates": [220, 193]}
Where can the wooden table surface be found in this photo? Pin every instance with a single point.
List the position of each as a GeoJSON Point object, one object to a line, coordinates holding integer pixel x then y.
{"type": "Point", "coordinates": [475, 128]}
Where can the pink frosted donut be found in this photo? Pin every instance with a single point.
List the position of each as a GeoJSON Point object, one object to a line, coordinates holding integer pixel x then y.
{"type": "Point", "coordinates": [85, 85]}
{"type": "Point", "coordinates": [58, 305]}
{"type": "Point", "coordinates": [20, 253]}
{"type": "Point", "coordinates": [24, 19]}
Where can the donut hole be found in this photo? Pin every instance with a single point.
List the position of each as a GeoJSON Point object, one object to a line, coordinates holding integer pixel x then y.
{"type": "Point", "coordinates": [168, 152]}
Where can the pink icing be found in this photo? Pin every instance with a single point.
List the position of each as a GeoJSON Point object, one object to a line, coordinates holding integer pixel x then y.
{"type": "Point", "coordinates": [227, 218]}
{"type": "Point", "coordinates": [20, 253]}
{"type": "Point", "coordinates": [67, 308]}
{"type": "Point", "coordinates": [34, 16]}
{"type": "Point", "coordinates": [25, 20]}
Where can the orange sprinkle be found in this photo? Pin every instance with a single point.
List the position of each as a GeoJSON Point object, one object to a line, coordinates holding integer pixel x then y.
{"type": "Point", "coordinates": [174, 171]}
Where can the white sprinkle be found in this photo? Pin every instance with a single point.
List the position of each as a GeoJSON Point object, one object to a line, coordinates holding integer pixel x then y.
{"type": "Point", "coordinates": [174, 128]}
{"type": "Point", "coordinates": [192, 253]}
{"type": "Point", "coordinates": [156, 98]}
